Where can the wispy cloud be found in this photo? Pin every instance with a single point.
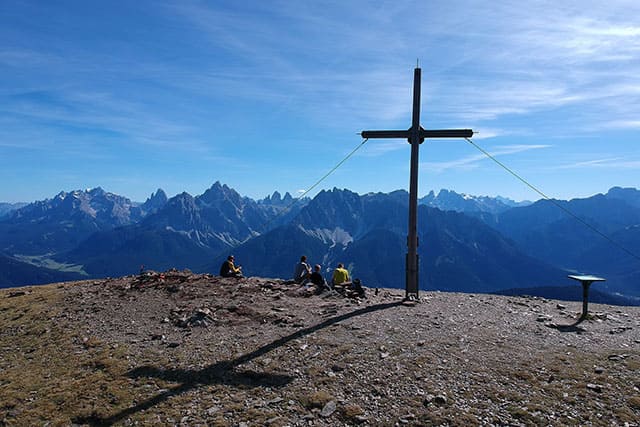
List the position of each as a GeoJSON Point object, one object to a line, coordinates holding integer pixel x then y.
{"type": "Point", "coordinates": [19, 58]}
{"type": "Point", "coordinates": [472, 161]}
{"type": "Point", "coordinates": [86, 112]}
{"type": "Point", "coordinates": [606, 163]}
{"type": "Point", "coordinates": [621, 124]}
{"type": "Point", "coordinates": [488, 133]}
{"type": "Point", "coordinates": [375, 148]}
{"type": "Point", "coordinates": [210, 79]}
{"type": "Point", "coordinates": [534, 59]}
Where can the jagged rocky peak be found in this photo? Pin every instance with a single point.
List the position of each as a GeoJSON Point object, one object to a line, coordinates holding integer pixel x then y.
{"type": "Point", "coordinates": [159, 195]}
{"type": "Point", "coordinates": [60, 196]}
{"type": "Point", "coordinates": [183, 199]}
{"type": "Point", "coordinates": [155, 201]}
{"type": "Point", "coordinates": [399, 196]}
{"type": "Point", "coordinates": [448, 194]}
{"type": "Point", "coordinates": [180, 211]}
{"type": "Point", "coordinates": [88, 195]}
{"type": "Point", "coordinates": [338, 199]}
{"type": "Point", "coordinates": [219, 192]}
{"type": "Point", "coordinates": [97, 191]}
{"type": "Point", "coordinates": [276, 199]}
{"type": "Point", "coordinates": [335, 191]}
{"type": "Point", "coordinates": [449, 200]}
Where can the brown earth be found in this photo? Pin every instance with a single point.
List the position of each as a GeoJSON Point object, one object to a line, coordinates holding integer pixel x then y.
{"type": "Point", "coordinates": [185, 349]}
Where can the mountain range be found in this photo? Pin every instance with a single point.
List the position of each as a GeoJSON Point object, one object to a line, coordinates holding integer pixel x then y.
{"type": "Point", "coordinates": [61, 223]}
{"type": "Point", "coordinates": [7, 208]}
{"type": "Point", "coordinates": [467, 243]}
{"type": "Point", "coordinates": [451, 201]}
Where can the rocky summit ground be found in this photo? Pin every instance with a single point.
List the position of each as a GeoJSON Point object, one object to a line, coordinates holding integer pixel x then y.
{"type": "Point", "coordinates": [177, 348]}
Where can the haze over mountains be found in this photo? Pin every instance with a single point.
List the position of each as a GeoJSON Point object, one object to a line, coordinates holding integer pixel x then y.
{"type": "Point", "coordinates": [467, 243]}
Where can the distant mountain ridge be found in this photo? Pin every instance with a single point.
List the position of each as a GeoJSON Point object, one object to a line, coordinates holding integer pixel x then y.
{"type": "Point", "coordinates": [60, 223]}
{"type": "Point", "coordinates": [467, 243]}
{"type": "Point", "coordinates": [7, 208]}
{"type": "Point", "coordinates": [629, 195]}
{"type": "Point", "coordinates": [186, 231]}
{"type": "Point", "coordinates": [545, 232]}
{"type": "Point", "coordinates": [451, 201]}
{"type": "Point", "coordinates": [276, 199]}
{"type": "Point", "coordinates": [367, 234]}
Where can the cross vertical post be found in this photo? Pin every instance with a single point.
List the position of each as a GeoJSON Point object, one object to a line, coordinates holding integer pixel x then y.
{"type": "Point", "coordinates": [412, 237]}
{"type": "Point", "coordinates": [415, 135]}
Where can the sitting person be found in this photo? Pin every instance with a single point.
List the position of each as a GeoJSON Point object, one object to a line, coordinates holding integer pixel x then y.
{"type": "Point", "coordinates": [340, 277]}
{"type": "Point", "coordinates": [302, 270]}
{"type": "Point", "coordinates": [317, 280]}
{"type": "Point", "coordinates": [316, 277]}
{"type": "Point", "coordinates": [314, 285]}
{"type": "Point", "coordinates": [228, 269]}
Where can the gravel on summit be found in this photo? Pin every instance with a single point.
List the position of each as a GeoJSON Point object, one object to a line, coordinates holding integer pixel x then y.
{"type": "Point", "coordinates": [253, 351]}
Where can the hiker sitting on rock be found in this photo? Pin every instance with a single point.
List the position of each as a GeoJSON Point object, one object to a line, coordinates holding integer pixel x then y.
{"type": "Point", "coordinates": [228, 269]}
{"type": "Point", "coordinates": [318, 284]}
{"type": "Point", "coordinates": [317, 279]}
{"type": "Point", "coordinates": [340, 279]}
{"type": "Point", "coordinates": [302, 270]}
{"type": "Point", "coordinates": [314, 285]}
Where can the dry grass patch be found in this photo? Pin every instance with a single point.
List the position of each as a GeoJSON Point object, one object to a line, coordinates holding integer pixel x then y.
{"type": "Point", "coordinates": [315, 400]}
{"type": "Point", "coordinates": [351, 411]}
{"type": "Point", "coordinates": [49, 372]}
{"type": "Point", "coordinates": [634, 402]}
{"type": "Point", "coordinates": [633, 364]}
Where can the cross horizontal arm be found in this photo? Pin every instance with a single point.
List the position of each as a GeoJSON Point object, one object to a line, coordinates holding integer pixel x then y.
{"type": "Point", "coordinates": [385, 134]}
{"type": "Point", "coordinates": [446, 133]}
{"type": "Point", "coordinates": [442, 133]}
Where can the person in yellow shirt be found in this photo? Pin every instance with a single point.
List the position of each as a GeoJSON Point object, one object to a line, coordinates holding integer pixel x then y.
{"type": "Point", "coordinates": [229, 269]}
{"type": "Point", "coordinates": [340, 276]}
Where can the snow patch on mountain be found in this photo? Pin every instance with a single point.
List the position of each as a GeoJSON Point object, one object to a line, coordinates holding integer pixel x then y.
{"type": "Point", "coordinates": [334, 237]}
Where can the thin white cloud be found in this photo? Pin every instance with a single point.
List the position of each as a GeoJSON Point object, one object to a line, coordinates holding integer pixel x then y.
{"type": "Point", "coordinates": [26, 58]}
{"type": "Point", "coordinates": [622, 124]}
{"type": "Point", "coordinates": [534, 59]}
{"type": "Point", "coordinates": [134, 122]}
{"type": "Point", "coordinates": [471, 162]}
{"type": "Point", "coordinates": [375, 148]}
{"type": "Point", "coordinates": [488, 133]}
{"type": "Point", "coordinates": [314, 60]}
{"type": "Point", "coordinates": [606, 163]}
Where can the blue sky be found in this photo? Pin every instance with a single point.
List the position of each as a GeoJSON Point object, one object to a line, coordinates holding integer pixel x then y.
{"type": "Point", "coordinates": [269, 95]}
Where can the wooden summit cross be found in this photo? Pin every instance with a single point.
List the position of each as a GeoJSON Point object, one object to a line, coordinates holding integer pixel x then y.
{"type": "Point", "coordinates": [415, 135]}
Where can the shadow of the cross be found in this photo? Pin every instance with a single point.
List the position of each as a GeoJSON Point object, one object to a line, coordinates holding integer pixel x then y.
{"type": "Point", "coordinates": [223, 372]}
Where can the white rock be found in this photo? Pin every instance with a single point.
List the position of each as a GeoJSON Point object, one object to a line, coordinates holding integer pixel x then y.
{"type": "Point", "coordinates": [328, 409]}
